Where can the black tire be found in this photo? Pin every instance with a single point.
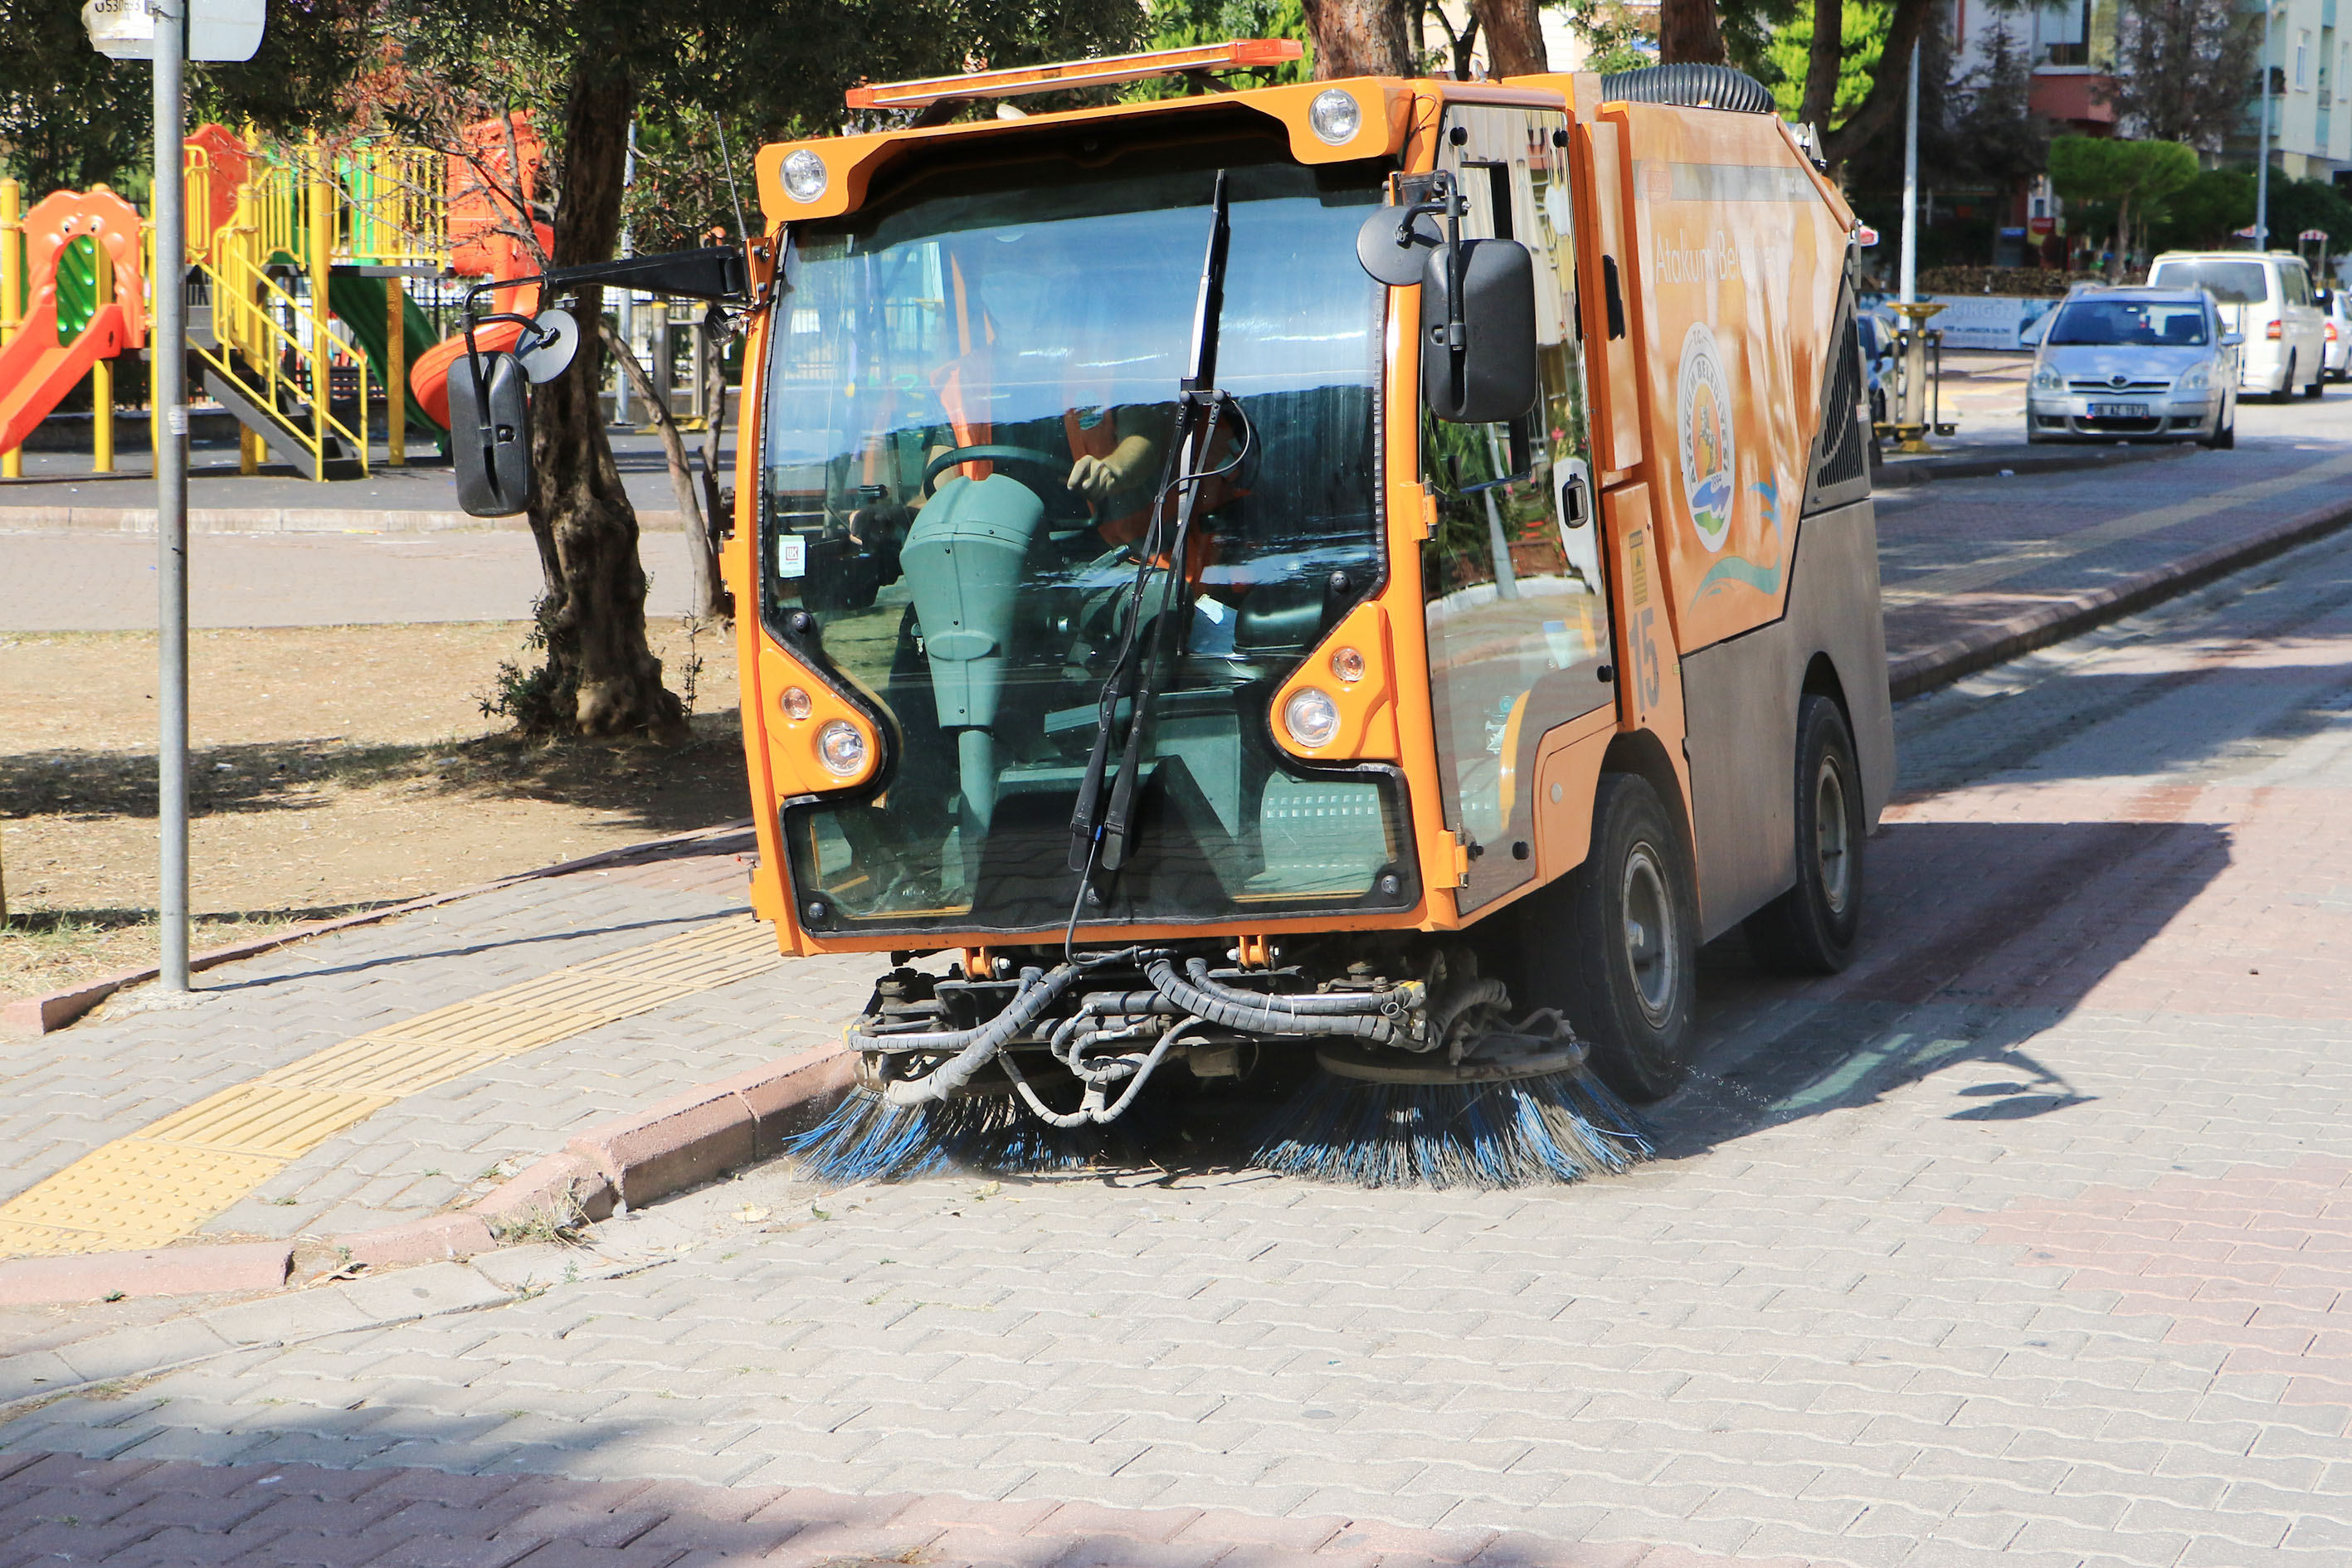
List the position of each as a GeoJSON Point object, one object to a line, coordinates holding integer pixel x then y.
{"type": "Point", "coordinates": [1811, 929]}
{"type": "Point", "coordinates": [2319, 388]}
{"type": "Point", "coordinates": [2286, 383]}
{"type": "Point", "coordinates": [1629, 985]}
{"type": "Point", "coordinates": [2224, 437]}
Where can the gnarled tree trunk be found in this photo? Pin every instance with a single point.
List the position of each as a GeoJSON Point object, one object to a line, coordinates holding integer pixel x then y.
{"type": "Point", "coordinates": [1822, 57]}
{"type": "Point", "coordinates": [1688, 30]}
{"type": "Point", "coordinates": [1359, 37]}
{"type": "Point", "coordinates": [1513, 30]}
{"type": "Point", "coordinates": [602, 678]}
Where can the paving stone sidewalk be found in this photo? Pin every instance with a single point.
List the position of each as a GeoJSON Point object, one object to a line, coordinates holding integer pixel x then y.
{"type": "Point", "coordinates": [2024, 1241]}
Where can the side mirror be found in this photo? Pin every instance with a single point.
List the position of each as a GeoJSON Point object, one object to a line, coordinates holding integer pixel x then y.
{"type": "Point", "coordinates": [1478, 366]}
{"type": "Point", "coordinates": [2233, 340]}
{"type": "Point", "coordinates": [2032, 333]}
{"type": "Point", "coordinates": [490, 437]}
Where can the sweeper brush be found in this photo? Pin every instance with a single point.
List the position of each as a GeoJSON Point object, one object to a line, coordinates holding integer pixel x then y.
{"type": "Point", "coordinates": [1518, 1110]}
{"type": "Point", "coordinates": [870, 1138]}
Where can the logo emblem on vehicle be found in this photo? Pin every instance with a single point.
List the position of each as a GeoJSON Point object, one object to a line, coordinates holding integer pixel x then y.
{"type": "Point", "coordinates": [2116, 380]}
{"type": "Point", "coordinates": [1702, 422]}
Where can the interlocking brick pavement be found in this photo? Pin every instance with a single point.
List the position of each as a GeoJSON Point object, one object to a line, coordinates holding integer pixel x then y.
{"type": "Point", "coordinates": [2112, 910]}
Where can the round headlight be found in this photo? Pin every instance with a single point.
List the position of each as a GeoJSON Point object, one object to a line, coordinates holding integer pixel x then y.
{"type": "Point", "coordinates": [804, 176]}
{"type": "Point", "coordinates": [1311, 717]}
{"type": "Point", "coordinates": [1336, 116]}
{"type": "Point", "coordinates": [1348, 664]}
{"type": "Point", "coordinates": [795, 703]}
{"type": "Point", "coordinates": [841, 748]}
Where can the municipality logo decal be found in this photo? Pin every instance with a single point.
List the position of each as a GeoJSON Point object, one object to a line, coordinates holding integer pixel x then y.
{"type": "Point", "coordinates": [1703, 432]}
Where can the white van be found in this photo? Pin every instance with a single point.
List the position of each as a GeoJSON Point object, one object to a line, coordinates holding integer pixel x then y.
{"type": "Point", "coordinates": [2267, 297]}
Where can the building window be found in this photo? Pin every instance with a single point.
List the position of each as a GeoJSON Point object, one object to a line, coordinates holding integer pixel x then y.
{"type": "Point", "coordinates": [2303, 61]}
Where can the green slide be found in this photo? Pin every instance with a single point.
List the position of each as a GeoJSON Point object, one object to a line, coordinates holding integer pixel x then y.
{"type": "Point", "coordinates": [358, 303]}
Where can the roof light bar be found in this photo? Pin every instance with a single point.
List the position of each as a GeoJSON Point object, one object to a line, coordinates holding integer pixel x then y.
{"type": "Point", "coordinates": [1238, 54]}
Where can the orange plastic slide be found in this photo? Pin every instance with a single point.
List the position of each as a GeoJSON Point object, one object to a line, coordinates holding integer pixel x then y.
{"type": "Point", "coordinates": [429, 378]}
{"type": "Point", "coordinates": [36, 370]}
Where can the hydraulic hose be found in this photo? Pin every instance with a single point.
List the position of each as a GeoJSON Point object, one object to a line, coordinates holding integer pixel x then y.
{"type": "Point", "coordinates": [977, 1047]}
{"type": "Point", "coordinates": [1358, 1014]}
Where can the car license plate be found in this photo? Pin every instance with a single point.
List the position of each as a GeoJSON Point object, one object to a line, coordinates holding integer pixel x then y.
{"type": "Point", "coordinates": [2118, 410]}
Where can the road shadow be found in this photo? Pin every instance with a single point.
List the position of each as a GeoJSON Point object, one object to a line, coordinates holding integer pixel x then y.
{"type": "Point", "coordinates": [661, 790]}
{"type": "Point", "coordinates": [1982, 936]}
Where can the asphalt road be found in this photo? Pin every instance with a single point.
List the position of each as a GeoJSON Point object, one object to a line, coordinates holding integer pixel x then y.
{"type": "Point", "coordinates": [2024, 1241]}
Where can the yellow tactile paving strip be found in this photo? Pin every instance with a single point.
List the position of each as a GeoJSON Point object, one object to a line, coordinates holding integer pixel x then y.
{"type": "Point", "coordinates": [163, 1181]}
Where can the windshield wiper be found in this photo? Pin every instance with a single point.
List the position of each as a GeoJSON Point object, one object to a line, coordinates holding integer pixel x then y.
{"type": "Point", "coordinates": [1103, 836]}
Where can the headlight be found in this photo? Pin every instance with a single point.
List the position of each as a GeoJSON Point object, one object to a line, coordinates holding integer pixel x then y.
{"type": "Point", "coordinates": [1311, 717]}
{"type": "Point", "coordinates": [795, 703]}
{"type": "Point", "coordinates": [2047, 379]}
{"type": "Point", "coordinates": [841, 748]}
{"type": "Point", "coordinates": [804, 176]}
{"type": "Point", "coordinates": [1336, 116]}
{"type": "Point", "coordinates": [2196, 378]}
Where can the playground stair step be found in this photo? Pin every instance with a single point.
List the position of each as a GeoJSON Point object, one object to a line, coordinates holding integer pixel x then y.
{"type": "Point", "coordinates": [277, 426]}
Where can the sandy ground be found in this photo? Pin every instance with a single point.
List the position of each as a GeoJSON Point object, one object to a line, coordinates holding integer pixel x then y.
{"type": "Point", "coordinates": [333, 768]}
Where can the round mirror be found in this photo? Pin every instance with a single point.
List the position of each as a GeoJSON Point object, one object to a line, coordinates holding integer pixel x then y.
{"type": "Point", "coordinates": [1394, 263]}
{"type": "Point", "coordinates": [549, 346]}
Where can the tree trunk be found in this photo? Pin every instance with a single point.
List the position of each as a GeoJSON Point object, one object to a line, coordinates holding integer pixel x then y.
{"type": "Point", "coordinates": [1359, 37]}
{"type": "Point", "coordinates": [602, 678]}
{"type": "Point", "coordinates": [1821, 64]}
{"type": "Point", "coordinates": [1514, 28]}
{"type": "Point", "coordinates": [1688, 30]}
{"type": "Point", "coordinates": [1887, 86]}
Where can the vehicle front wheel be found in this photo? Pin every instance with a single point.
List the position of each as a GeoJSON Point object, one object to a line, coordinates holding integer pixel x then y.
{"type": "Point", "coordinates": [2223, 436]}
{"type": "Point", "coordinates": [1811, 929]}
{"type": "Point", "coordinates": [2318, 386]}
{"type": "Point", "coordinates": [1615, 943]}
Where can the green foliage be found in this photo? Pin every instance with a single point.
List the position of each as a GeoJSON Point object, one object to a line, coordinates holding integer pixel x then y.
{"type": "Point", "coordinates": [1789, 48]}
{"type": "Point", "coordinates": [69, 117]}
{"type": "Point", "coordinates": [1175, 24]}
{"type": "Point", "coordinates": [2203, 214]}
{"type": "Point", "coordinates": [1615, 40]}
{"type": "Point", "coordinates": [2112, 172]}
{"type": "Point", "coordinates": [2299, 204]}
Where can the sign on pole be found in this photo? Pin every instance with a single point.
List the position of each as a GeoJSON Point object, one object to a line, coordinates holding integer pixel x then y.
{"type": "Point", "coordinates": [217, 29]}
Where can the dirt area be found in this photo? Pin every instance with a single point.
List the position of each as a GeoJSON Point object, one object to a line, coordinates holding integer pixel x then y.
{"type": "Point", "coordinates": [334, 768]}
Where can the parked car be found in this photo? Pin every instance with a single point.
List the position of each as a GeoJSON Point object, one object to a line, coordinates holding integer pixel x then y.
{"type": "Point", "coordinates": [2335, 304]}
{"type": "Point", "coordinates": [2267, 297]}
{"type": "Point", "coordinates": [2154, 363]}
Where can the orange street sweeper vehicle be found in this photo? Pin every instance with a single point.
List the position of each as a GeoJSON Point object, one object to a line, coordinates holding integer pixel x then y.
{"type": "Point", "coordinates": [1345, 585]}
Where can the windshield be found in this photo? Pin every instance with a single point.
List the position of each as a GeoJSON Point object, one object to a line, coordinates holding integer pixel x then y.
{"type": "Point", "coordinates": [1018, 336]}
{"type": "Point", "coordinates": [2161, 323]}
{"type": "Point", "coordinates": [2231, 282]}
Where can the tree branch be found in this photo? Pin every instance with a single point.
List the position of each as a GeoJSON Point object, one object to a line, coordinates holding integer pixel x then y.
{"type": "Point", "coordinates": [1887, 86]}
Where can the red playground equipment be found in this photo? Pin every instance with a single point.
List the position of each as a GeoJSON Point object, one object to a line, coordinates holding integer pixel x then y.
{"type": "Point", "coordinates": [49, 353]}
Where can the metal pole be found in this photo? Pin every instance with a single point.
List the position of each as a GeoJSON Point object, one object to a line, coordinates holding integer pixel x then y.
{"type": "Point", "coordinates": [2263, 165]}
{"type": "Point", "coordinates": [628, 296]}
{"type": "Point", "coordinates": [1909, 287]}
{"type": "Point", "coordinates": [172, 491]}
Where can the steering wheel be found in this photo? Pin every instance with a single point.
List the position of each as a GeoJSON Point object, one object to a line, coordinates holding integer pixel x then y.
{"type": "Point", "coordinates": [1054, 469]}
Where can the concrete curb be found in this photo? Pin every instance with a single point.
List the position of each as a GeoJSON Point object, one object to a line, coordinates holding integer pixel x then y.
{"type": "Point", "coordinates": [279, 520]}
{"type": "Point", "coordinates": [1907, 471]}
{"type": "Point", "coordinates": [32, 1016]}
{"type": "Point", "coordinates": [681, 1142]}
{"type": "Point", "coordinates": [2057, 619]}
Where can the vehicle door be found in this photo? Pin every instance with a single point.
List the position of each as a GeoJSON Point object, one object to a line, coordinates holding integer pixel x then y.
{"type": "Point", "coordinates": [2300, 311]}
{"type": "Point", "coordinates": [1513, 593]}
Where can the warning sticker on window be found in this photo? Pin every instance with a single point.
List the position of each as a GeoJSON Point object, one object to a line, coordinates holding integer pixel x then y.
{"type": "Point", "coordinates": [792, 555]}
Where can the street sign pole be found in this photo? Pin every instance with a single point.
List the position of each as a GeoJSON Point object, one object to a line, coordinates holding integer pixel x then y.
{"type": "Point", "coordinates": [2262, 145]}
{"type": "Point", "coordinates": [170, 348]}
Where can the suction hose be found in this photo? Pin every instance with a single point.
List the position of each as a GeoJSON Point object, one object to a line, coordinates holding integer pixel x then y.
{"type": "Point", "coordinates": [1375, 1015]}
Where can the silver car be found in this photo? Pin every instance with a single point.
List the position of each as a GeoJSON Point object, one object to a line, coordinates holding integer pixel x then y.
{"type": "Point", "coordinates": [2150, 363]}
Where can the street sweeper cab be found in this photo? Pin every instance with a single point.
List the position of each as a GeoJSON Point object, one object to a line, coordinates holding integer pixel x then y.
{"type": "Point", "coordinates": [1339, 588]}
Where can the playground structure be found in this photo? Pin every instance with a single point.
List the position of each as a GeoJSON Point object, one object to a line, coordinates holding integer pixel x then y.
{"type": "Point", "coordinates": [300, 269]}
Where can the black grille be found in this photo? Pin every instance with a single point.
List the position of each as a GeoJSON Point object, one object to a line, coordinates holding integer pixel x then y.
{"type": "Point", "coordinates": [1844, 457]}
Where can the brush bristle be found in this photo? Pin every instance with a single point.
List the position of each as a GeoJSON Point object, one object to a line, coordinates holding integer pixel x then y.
{"type": "Point", "coordinates": [868, 1139]}
{"type": "Point", "coordinates": [1561, 1127]}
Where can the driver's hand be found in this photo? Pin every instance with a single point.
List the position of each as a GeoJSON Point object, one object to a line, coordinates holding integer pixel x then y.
{"type": "Point", "coordinates": [1093, 480]}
